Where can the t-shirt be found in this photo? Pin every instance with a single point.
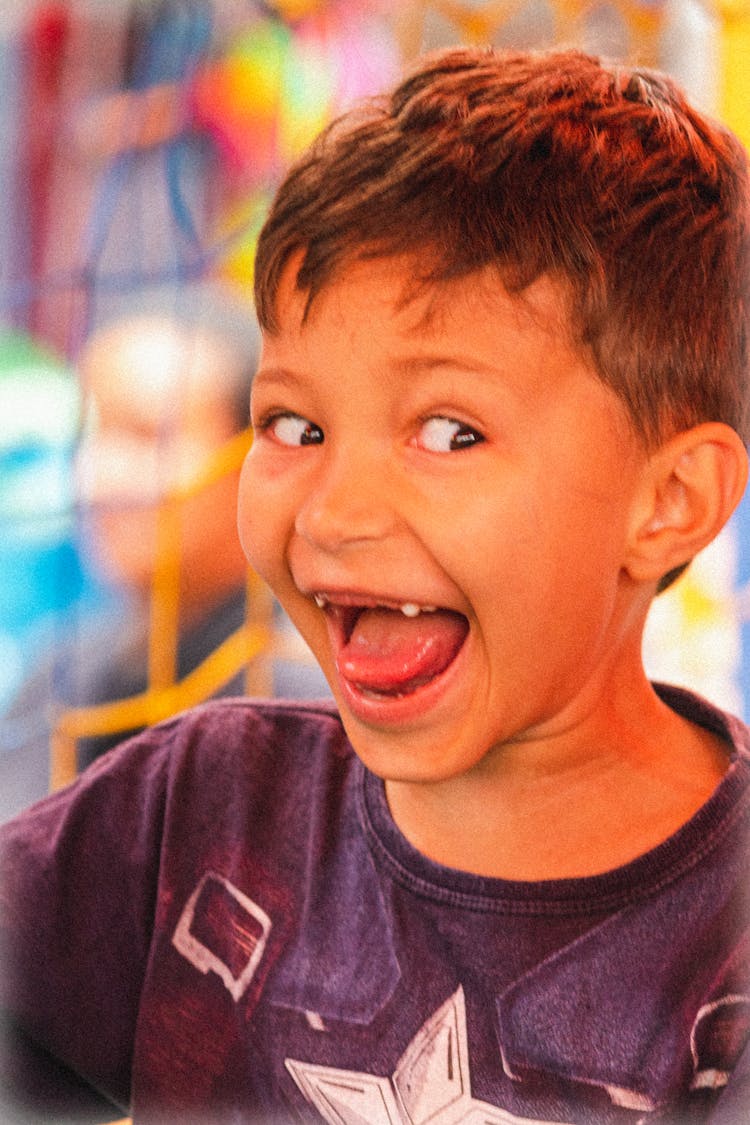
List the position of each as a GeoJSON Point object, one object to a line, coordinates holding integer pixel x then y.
{"type": "Point", "coordinates": [220, 921]}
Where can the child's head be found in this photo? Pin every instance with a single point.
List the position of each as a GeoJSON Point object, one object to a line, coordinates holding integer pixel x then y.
{"type": "Point", "coordinates": [600, 176]}
{"type": "Point", "coordinates": [498, 403]}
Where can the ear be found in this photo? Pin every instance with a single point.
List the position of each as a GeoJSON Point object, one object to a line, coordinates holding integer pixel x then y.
{"type": "Point", "coordinates": [690, 486]}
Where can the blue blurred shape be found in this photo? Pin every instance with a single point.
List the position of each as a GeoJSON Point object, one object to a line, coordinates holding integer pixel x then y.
{"type": "Point", "coordinates": [40, 571]}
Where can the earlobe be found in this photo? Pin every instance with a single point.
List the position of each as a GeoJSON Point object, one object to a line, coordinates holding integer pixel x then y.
{"type": "Point", "coordinates": [691, 485]}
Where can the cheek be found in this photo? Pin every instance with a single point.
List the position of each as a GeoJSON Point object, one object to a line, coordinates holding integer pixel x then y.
{"type": "Point", "coordinates": [253, 524]}
{"type": "Point", "coordinates": [264, 521]}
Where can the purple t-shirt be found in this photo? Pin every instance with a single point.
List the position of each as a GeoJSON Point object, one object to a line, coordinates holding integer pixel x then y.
{"type": "Point", "coordinates": [221, 922]}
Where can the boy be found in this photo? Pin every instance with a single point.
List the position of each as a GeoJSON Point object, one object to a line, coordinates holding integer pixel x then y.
{"type": "Point", "coordinates": [501, 402]}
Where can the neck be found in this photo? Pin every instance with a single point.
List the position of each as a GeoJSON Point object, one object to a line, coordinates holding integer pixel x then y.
{"type": "Point", "coordinates": [587, 798]}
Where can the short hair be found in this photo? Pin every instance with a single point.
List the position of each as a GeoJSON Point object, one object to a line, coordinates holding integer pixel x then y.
{"type": "Point", "coordinates": [601, 176]}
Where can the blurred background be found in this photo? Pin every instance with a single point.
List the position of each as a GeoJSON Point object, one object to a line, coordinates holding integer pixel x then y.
{"type": "Point", "coordinates": [140, 141]}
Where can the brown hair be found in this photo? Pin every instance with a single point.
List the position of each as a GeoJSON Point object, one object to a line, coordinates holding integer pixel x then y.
{"type": "Point", "coordinates": [601, 176]}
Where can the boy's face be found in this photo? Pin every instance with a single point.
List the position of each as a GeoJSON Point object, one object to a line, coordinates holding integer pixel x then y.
{"type": "Point", "coordinates": [451, 454]}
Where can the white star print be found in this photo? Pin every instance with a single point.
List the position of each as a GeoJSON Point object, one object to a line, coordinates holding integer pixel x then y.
{"type": "Point", "coordinates": [430, 1084]}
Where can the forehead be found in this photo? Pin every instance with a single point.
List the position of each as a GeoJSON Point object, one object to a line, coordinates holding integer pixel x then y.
{"type": "Point", "coordinates": [374, 335]}
{"type": "Point", "coordinates": [372, 339]}
{"type": "Point", "coordinates": [397, 293]}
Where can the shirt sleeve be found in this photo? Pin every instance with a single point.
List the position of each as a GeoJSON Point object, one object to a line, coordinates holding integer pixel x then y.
{"type": "Point", "coordinates": [78, 882]}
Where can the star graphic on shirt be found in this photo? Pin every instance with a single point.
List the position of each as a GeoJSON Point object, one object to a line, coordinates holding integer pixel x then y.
{"type": "Point", "coordinates": [430, 1083]}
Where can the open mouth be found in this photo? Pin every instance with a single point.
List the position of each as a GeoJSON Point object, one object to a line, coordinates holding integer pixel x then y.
{"type": "Point", "coordinates": [390, 651]}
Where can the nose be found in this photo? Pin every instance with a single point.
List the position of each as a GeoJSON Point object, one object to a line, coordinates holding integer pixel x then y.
{"type": "Point", "coordinates": [351, 502]}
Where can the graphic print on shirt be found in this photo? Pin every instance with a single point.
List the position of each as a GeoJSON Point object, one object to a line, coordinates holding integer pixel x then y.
{"type": "Point", "coordinates": [431, 1082]}
{"type": "Point", "coordinates": [719, 1034]}
{"type": "Point", "coordinates": [223, 931]}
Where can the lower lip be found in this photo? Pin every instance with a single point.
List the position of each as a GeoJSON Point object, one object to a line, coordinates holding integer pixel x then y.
{"type": "Point", "coordinates": [395, 710]}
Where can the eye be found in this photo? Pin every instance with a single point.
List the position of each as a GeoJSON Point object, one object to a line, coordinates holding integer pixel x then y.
{"type": "Point", "coordinates": [293, 430]}
{"type": "Point", "coordinates": [446, 435]}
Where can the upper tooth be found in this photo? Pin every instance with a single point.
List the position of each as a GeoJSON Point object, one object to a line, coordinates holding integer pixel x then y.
{"type": "Point", "coordinates": [409, 609]}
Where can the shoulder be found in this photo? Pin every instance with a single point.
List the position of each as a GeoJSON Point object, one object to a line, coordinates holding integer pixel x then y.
{"type": "Point", "coordinates": [226, 783]}
{"type": "Point", "coordinates": [240, 744]}
{"type": "Point", "coordinates": [717, 838]}
{"type": "Point", "coordinates": [700, 711]}
{"type": "Point", "coordinates": [225, 737]}
{"type": "Point", "coordinates": [235, 720]}
{"type": "Point", "coordinates": [212, 767]}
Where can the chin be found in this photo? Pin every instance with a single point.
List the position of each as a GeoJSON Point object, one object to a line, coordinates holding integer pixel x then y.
{"type": "Point", "coordinates": [408, 759]}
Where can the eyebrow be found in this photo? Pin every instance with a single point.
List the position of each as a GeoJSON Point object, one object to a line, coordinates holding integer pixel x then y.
{"type": "Point", "coordinates": [282, 375]}
{"type": "Point", "coordinates": [415, 365]}
{"type": "Point", "coordinates": [420, 364]}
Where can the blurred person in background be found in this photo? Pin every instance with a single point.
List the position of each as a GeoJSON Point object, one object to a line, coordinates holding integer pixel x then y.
{"type": "Point", "coordinates": [167, 383]}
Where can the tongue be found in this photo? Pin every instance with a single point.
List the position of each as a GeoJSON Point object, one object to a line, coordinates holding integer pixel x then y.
{"type": "Point", "coordinates": [390, 653]}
